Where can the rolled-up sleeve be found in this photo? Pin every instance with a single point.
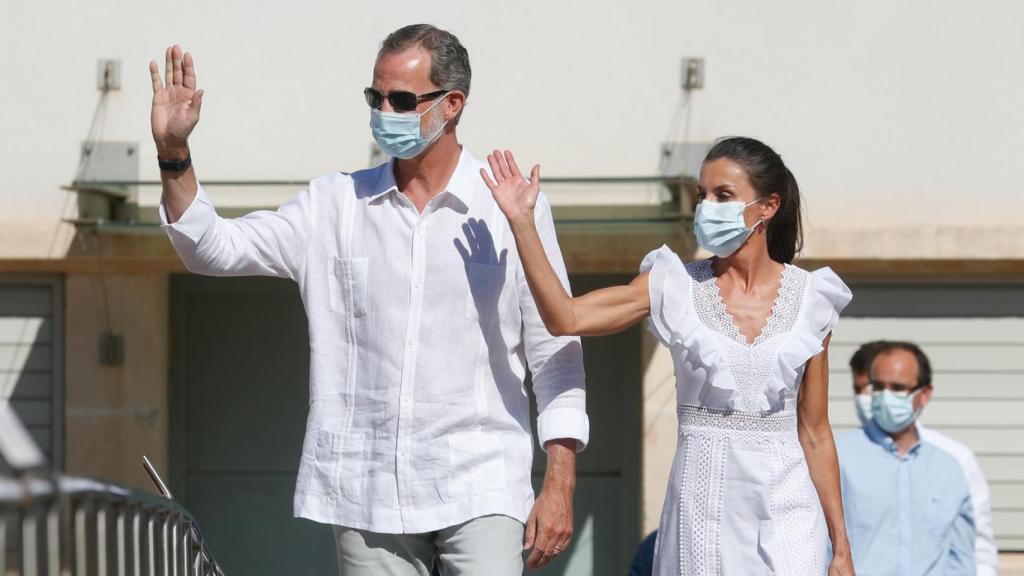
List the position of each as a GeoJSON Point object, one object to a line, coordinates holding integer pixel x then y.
{"type": "Point", "coordinates": [556, 363]}
{"type": "Point", "coordinates": [262, 243]}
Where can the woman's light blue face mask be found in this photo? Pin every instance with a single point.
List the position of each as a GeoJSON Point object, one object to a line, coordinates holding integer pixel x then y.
{"type": "Point", "coordinates": [720, 227]}
{"type": "Point", "coordinates": [398, 133]}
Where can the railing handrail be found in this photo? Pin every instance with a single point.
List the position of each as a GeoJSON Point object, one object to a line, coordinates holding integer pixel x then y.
{"type": "Point", "coordinates": [29, 490]}
{"type": "Point", "coordinates": [33, 499]}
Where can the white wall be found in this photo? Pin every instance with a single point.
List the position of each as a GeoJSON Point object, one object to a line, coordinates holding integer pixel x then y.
{"type": "Point", "coordinates": [897, 117]}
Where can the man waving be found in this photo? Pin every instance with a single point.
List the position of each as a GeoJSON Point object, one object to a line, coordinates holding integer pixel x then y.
{"type": "Point", "coordinates": [418, 443]}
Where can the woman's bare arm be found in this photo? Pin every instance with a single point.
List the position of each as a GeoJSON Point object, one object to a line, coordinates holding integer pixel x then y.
{"type": "Point", "coordinates": [819, 446]}
{"type": "Point", "coordinates": [596, 313]}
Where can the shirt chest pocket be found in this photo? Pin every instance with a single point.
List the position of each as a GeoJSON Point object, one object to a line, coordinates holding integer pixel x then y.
{"type": "Point", "coordinates": [346, 281]}
{"type": "Point", "coordinates": [487, 290]}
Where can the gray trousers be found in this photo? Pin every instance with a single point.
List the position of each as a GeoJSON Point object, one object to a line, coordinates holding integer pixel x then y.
{"type": "Point", "coordinates": [491, 545]}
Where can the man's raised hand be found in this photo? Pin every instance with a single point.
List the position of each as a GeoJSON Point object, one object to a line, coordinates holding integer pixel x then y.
{"type": "Point", "coordinates": [176, 104]}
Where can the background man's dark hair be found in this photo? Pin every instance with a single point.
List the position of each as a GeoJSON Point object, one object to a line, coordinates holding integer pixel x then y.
{"type": "Point", "coordinates": [449, 60]}
{"type": "Point", "coordinates": [860, 362]}
{"type": "Point", "coordinates": [924, 367]}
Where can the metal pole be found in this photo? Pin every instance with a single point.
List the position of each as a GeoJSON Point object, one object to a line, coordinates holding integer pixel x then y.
{"type": "Point", "coordinates": [3, 542]}
{"type": "Point", "coordinates": [53, 537]}
{"type": "Point", "coordinates": [186, 549]}
{"type": "Point", "coordinates": [173, 519]}
{"type": "Point", "coordinates": [137, 541]}
{"type": "Point", "coordinates": [29, 546]}
{"type": "Point", "coordinates": [101, 539]}
{"type": "Point", "coordinates": [122, 548]}
{"type": "Point", "coordinates": [151, 543]}
{"type": "Point", "coordinates": [164, 547]}
{"type": "Point", "coordinates": [80, 541]}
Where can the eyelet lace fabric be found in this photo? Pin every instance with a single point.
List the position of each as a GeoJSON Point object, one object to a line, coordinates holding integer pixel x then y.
{"type": "Point", "coordinates": [737, 467]}
{"type": "Point", "coordinates": [742, 502]}
{"type": "Point", "coordinates": [711, 309]}
{"type": "Point", "coordinates": [752, 364]}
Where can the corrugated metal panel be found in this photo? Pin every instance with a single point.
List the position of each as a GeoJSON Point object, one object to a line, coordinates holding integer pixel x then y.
{"type": "Point", "coordinates": [30, 357]}
{"type": "Point", "coordinates": [978, 366]}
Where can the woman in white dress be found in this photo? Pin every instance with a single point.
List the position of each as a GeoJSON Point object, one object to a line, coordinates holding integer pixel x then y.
{"type": "Point", "coordinates": [754, 488]}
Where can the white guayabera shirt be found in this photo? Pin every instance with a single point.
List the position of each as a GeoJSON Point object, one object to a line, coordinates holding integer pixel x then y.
{"type": "Point", "coordinates": [421, 328]}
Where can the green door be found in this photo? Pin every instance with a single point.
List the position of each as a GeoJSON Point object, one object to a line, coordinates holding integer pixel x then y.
{"type": "Point", "coordinates": [239, 399]}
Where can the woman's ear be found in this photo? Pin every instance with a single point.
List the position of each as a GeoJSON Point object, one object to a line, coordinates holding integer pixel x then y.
{"type": "Point", "coordinates": [770, 205]}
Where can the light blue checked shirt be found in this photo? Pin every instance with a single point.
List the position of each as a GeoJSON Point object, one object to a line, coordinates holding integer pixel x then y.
{"type": "Point", "coordinates": [907, 516]}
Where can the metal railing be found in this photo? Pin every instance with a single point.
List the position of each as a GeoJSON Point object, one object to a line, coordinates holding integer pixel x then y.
{"type": "Point", "coordinates": [57, 525]}
{"type": "Point", "coordinates": [74, 526]}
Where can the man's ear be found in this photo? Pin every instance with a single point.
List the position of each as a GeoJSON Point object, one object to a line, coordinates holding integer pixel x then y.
{"type": "Point", "coordinates": [455, 102]}
{"type": "Point", "coordinates": [926, 395]}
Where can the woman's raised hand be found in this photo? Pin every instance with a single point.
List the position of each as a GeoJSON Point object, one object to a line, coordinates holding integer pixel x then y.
{"type": "Point", "coordinates": [176, 103]}
{"type": "Point", "coordinates": [515, 195]}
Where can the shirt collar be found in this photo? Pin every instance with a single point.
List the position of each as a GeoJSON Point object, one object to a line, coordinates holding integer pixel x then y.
{"type": "Point", "coordinates": [462, 184]}
{"type": "Point", "coordinates": [880, 437]}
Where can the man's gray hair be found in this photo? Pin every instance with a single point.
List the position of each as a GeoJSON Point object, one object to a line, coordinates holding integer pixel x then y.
{"type": "Point", "coordinates": [449, 61]}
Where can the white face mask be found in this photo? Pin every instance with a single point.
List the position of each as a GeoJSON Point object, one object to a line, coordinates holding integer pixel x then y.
{"type": "Point", "coordinates": [862, 402]}
{"type": "Point", "coordinates": [399, 134]}
{"type": "Point", "coordinates": [720, 227]}
{"type": "Point", "coordinates": [894, 411]}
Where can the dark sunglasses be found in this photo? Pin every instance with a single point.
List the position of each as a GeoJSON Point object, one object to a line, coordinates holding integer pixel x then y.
{"type": "Point", "coordinates": [400, 100]}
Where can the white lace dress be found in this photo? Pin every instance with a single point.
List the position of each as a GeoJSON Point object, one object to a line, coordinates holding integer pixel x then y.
{"type": "Point", "coordinates": [740, 500]}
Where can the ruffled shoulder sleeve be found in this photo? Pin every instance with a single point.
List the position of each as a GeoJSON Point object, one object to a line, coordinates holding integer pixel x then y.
{"type": "Point", "coordinates": [669, 288]}
{"type": "Point", "coordinates": [825, 298]}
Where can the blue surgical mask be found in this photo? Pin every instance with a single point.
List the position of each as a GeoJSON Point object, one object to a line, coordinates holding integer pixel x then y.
{"type": "Point", "coordinates": [720, 227]}
{"type": "Point", "coordinates": [863, 404]}
{"type": "Point", "coordinates": [893, 412]}
{"type": "Point", "coordinates": [398, 134]}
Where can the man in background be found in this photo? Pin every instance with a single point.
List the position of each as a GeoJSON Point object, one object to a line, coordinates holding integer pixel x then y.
{"type": "Point", "coordinates": [986, 554]}
{"type": "Point", "coordinates": [908, 507]}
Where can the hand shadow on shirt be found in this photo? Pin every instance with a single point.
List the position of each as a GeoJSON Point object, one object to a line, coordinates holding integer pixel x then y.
{"type": "Point", "coordinates": [485, 272]}
{"type": "Point", "coordinates": [481, 249]}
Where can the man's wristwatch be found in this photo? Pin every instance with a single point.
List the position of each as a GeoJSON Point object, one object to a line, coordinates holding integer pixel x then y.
{"type": "Point", "coordinates": [175, 165]}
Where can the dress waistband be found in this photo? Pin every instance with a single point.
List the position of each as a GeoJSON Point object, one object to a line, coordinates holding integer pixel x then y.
{"type": "Point", "coordinates": [735, 420]}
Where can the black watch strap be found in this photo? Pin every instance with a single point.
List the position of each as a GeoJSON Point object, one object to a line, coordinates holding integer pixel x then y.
{"type": "Point", "coordinates": [175, 165]}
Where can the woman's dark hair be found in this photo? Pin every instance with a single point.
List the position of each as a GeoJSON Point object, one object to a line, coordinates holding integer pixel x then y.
{"type": "Point", "coordinates": [768, 175]}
